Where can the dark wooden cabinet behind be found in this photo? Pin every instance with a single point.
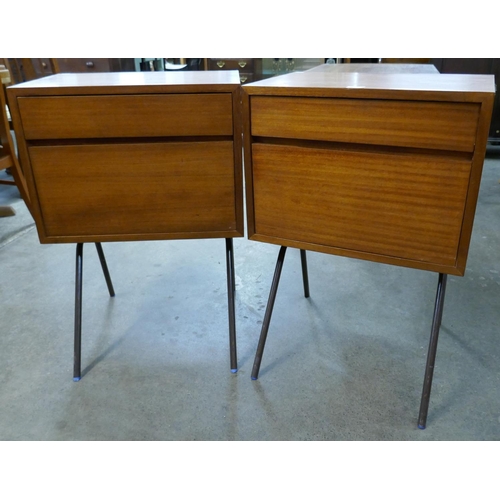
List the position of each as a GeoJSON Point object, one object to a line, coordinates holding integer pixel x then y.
{"type": "Point", "coordinates": [244, 66]}
{"type": "Point", "coordinates": [476, 67]}
{"type": "Point", "coordinates": [93, 65]}
{"type": "Point", "coordinates": [26, 69]}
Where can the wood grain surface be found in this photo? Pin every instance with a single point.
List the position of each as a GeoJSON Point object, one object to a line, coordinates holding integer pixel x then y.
{"type": "Point", "coordinates": [405, 206]}
{"type": "Point", "coordinates": [434, 125]}
{"type": "Point", "coordinates": [126, 116]}
{"type": "Point", "coordinates": [132, 156]}
{"type": "Point", "coordinates": [112, 190]}
{"type": "Point", "coordinates": [379, 165]}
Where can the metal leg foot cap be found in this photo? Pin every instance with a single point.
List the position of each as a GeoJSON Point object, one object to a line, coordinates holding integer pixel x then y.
{"type": "Point", "coordinates": [420, 426]}
{"type": "Point", "coordinates": [254, 378]}
{"type": "Point", "coordinates": [234, 370]}
{"type": "Point", "coordinates": [76, 379]}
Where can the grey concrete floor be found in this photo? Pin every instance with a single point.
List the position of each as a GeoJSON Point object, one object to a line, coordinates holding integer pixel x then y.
{"type": "Point", "coordinates": [345, 364]}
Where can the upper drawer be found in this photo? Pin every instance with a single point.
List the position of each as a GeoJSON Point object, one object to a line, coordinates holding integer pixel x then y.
{"type": "Point", "coordinates": [241, 64]}
{"type": "Point", "coordinates": [150, 115]}
{"type": "Point", "coordinates": [419, 124]}
{"type": "Point", "coordinates": [82, 65]}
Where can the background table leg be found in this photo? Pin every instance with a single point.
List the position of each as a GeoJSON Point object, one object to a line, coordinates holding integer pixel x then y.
{"type": "Point", "coordinates": [105, 270]}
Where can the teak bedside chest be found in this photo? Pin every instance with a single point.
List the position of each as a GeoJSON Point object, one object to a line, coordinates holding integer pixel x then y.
{"type": "Point", "coordinates": [374, 165]}
{"type": "Point", "coordinates": [133, 156]}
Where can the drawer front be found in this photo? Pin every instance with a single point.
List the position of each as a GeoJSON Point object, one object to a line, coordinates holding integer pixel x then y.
{"type": "Point", "coordinates": [135, 189]}
{"type": "Point", "coordinates": [430, 125]}
{"type": "Point", "coordinates": [83, 65]}
{"type": "Point", "coordinates": [110, 116]}
{"type": "Point", "coordinates": [374, 203]}
{"type": "Point", "coordinates": [245, 65]}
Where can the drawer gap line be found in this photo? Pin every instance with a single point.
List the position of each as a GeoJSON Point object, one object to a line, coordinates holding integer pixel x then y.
{"type": "Point", "coordinates": [128, 140]}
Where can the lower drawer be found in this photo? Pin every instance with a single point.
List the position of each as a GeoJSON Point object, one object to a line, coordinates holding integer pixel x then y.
{"type": "Point", "coordinates": [404, 206]}
{"type": "Point", "coordinates": [123, 190]}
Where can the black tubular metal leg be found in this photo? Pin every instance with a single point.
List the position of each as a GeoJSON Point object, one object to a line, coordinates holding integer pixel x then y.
{"type": "Point", "coordinates": [232, 266]}
{"type": "Point", "coordinates": [431, 356]}
{"type": "Point", "coordinates": [105, 269]}
{"type": "Point", "coordinates": [78, 313]}
{"type": "Point", "coordinates": [230, 298]}
{"type": "Point", "coordinates": [305, 276]}
{"type": "Point", "coordinates": [269, 311]}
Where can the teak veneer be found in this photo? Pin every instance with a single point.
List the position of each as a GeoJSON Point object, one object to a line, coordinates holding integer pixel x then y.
{"type": "Point", "coordinates": [379, 163]}
{"type": "Point", "coordinates": [132, 156]}
{"type": "Point", "coordinates": [382, 164]}
{"type": "Point", "coordinates": [378, 166]}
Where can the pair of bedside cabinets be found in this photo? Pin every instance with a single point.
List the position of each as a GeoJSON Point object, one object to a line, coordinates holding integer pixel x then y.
{"type": "Point", "coordinates": [384, 167]}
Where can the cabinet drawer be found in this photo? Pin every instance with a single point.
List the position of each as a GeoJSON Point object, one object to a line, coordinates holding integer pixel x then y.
{"type": "Point", "coordinates": [109, 116]}
{"type": "Point", "coordinates": [151, 189]}
{"type": "Point", "coordinates": [241, 64]}
{"type": "Point", "coordinates": [406, 206]}
{"type": "Point", "coordinates": [83, 65]}
{"type": "Point", "coordinates": [432, 125]}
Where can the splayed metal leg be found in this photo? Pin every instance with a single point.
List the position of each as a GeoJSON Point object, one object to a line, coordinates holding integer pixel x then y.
{"type": "Point", "coordinates": [305, 276]}
{"type": "Point", "coordinates": [78, 313]}
{"type": "Point", "coordinates": [431, 356]}
{"type": "Point", "coordinates": [105, 269]}
{"type": "Point", "coordinates": [269, 311]}
{"type": "Point", "coordinates": [231, 287]}
{"type": "Point", "coordinates": [78, 303]}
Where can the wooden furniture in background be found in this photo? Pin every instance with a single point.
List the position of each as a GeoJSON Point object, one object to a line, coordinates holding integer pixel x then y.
{"type": "Point", "coordinates": [349, 60]}
{"type": "Point", "coordinates": [73, 65]}
{"type": "Point", "coordinates": [244, 66]}
{"type": "Point", "coordinates": [415, 60]}
{"type": "Point", "coordinates": [8, 157]}
{"type": "Point", "coordinates": [256, 69]}
{"type": "Point", "coordinates": [376, 165]}
{"type": "Point", "coordinates": [26, 69]}
{"type": "Point", "coordinates": [133, 156]}
{"type": "Point", "coordinates": [92, 65]}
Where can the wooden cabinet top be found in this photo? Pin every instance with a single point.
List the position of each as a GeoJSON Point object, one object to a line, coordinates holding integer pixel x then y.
{"type": "Point", "coordinates": [130, 82]}
{"type": "Point", "coordinates": [415, 86]}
